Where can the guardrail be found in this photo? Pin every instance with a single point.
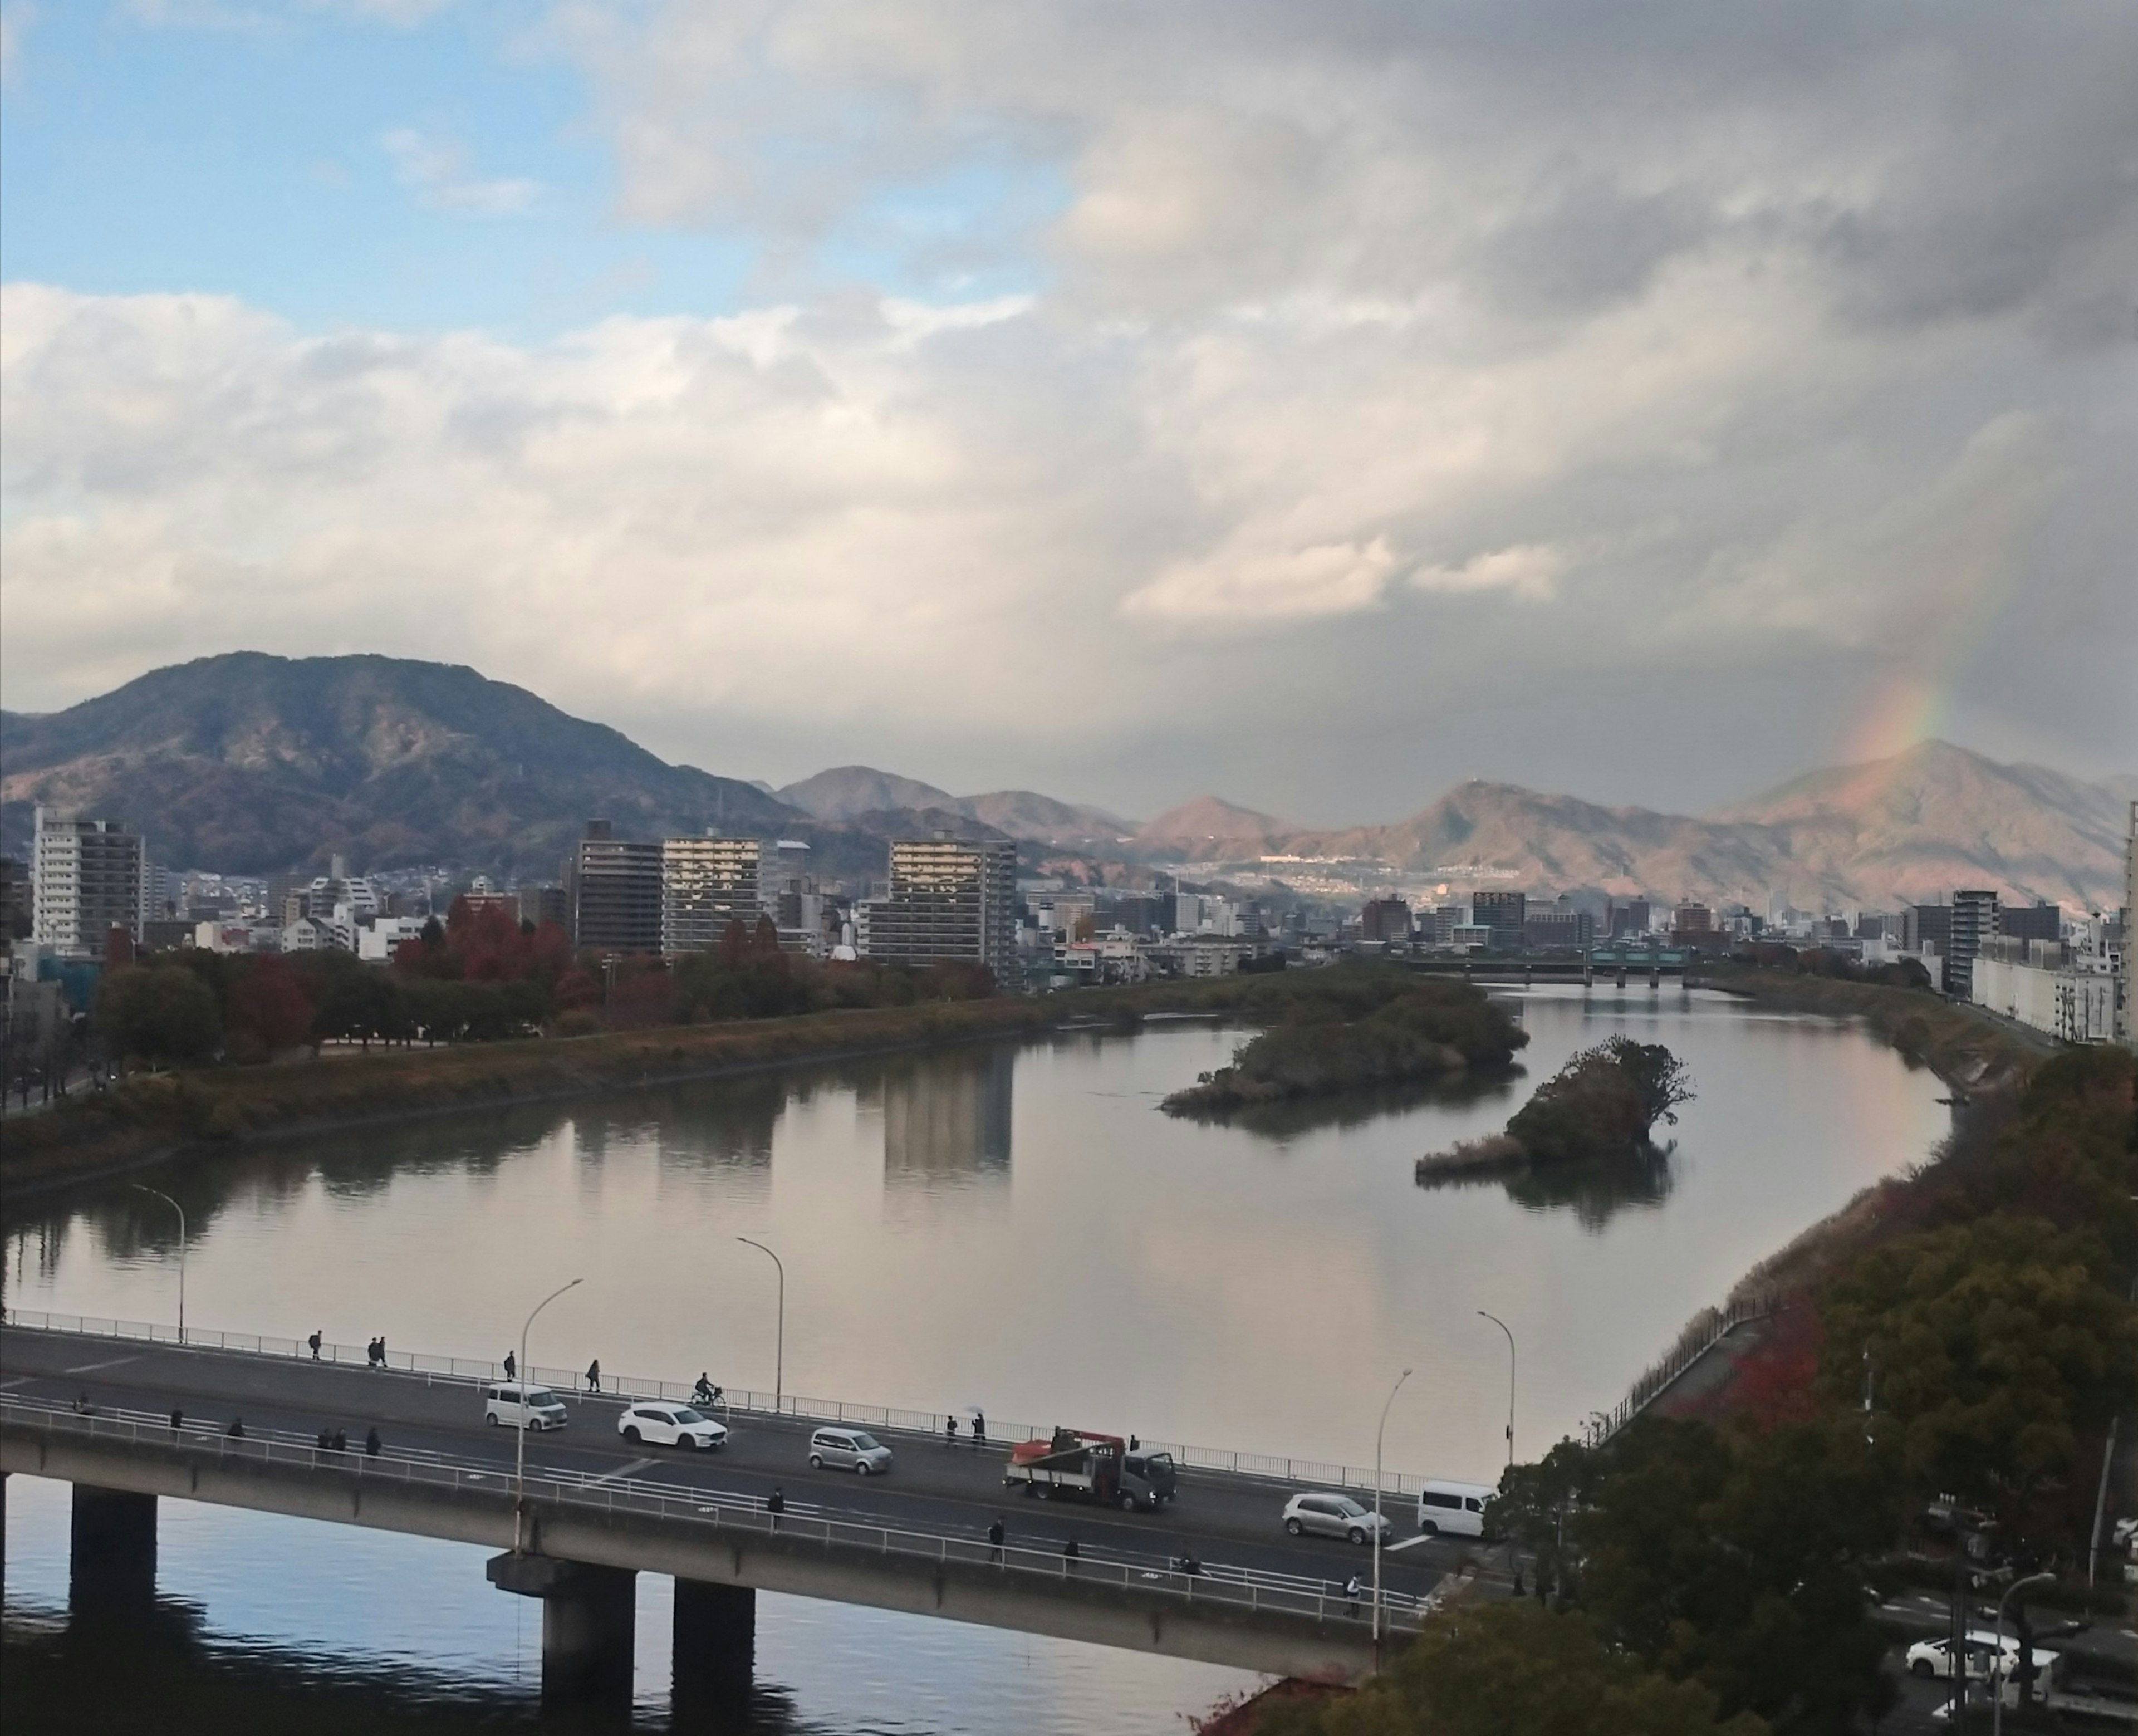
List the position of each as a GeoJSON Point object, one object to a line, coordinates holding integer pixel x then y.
{"type": "Point", "coordinates": [1273, 1467]}
{"type": "Point", "coordinates": [1252, 1589]}
{"type": "Point", "coordinates": [1707, 1330]}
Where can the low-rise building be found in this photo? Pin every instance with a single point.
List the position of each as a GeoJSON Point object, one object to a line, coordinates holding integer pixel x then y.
{"type": "Point", "coordinates": [2072, 993]}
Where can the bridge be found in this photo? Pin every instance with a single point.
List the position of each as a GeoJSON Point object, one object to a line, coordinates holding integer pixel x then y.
{"type": "Point", "coordinates": [129, 1416]}
{"type": "Point", "coordinates": [1617, 965]}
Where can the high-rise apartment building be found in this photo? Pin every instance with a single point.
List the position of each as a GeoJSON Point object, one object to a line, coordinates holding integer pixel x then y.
{"type": "Point", "coordinates": [1974, 921]}
{"type": "Point", "coordinates": [89, 881]}
{"type": "Point", "coordinates": [705, 884]}
{"type": "Point", "coordinates": [1504, 913]}
{"type": "Point", "coordinates": [950, 900]}
{"type": "Point", "coordinates": [615, 892]}
{"type": "Point", "coordinates": [1385, 919]}
{"type": "Point", "coordinates": [1628, 918]}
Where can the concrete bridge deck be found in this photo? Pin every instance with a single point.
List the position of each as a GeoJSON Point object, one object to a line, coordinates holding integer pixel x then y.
{"type": "Point", "coordinates": [595, 1504]}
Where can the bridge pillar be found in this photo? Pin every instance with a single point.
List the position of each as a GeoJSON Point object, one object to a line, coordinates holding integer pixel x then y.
{"type": "Point", "coordinates": [589, 1623]}
{"type": "Point", "coordinates": [716, 1653]}
{"type": "Point", "coordinates": [112, 1567]}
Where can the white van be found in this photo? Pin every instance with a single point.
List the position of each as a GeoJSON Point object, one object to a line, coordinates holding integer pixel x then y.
{"type": "Point", "coordinates": [1453, 1509]}
{"type": "Point", "coordinates": [520, 1407]}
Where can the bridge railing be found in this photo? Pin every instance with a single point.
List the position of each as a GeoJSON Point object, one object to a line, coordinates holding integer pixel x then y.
{"type": "Point", "coordinates": [1238, 1588]}
{"type": "Point", "coordinates": [1707, 1330]}
{"type": "Point", "coordinates": [1274, 1467]}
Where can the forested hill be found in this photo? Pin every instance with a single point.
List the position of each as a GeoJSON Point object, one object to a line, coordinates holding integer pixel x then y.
{"type": "Point", "coordinates": [252, 763]}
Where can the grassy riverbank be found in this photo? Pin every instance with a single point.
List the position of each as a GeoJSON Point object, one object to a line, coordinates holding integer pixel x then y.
{"type": "Point", "coordinates": [155, 1118]}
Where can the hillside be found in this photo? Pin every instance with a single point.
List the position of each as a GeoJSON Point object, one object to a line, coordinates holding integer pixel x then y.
{"type": "Point", "coordinates": [844, 791]}
{"type": "Point", "coordinates": [252, 763]}
{"type": "Point", "coordinates": [865, 795]}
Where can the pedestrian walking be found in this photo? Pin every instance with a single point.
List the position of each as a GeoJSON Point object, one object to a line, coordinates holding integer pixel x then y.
{"type": "Point", "coordinates": [372, 1443]}
{"type": "Point", "coordinates": [775, 1504]}
{"type": "Point", "coordinates": [314, 1342]}
{"type": "Point", "coordinates": [1519, 1591]}
{"type": "Point", "coordinates": [382, 1350]}
{"type": "Point", "coordinates": [950, 1431]}
{"type": "Point", "coordinates": [979, 1429]}
{"type": "Point", "coordinates": [326, 1440]}
{"type": "Point", "coordinates": [1352, 1588]}
{"type": "Point", "coordinates": [593, 1375]}
{"type": "Point", "coordinates": [237, 1429]}
{"type": "Point", "coordinates": [1069, 1553]}
{"type": "Point", "coordinates": [341, 1440]}
{"type": "Point", "coordinates": [178, 1419]}
{"type": "Point", "coordinates": [995, 1534]}
{"type": "Point", "coordinates": [511, 1366]}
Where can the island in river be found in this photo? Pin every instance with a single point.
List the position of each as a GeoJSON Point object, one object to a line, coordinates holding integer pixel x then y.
{"type": "Point", "coordinates": [1602, 1104]}
{"type": "Point", "coordinates": [1352, 1029]}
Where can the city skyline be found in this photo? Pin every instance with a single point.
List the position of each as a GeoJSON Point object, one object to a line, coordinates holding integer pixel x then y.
{"type": "Point", "coordinates": [1292, 406]}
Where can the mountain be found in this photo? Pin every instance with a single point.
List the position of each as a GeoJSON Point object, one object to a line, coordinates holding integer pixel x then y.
{"type": "Point", "coordinates": [1913, 828]}
{"type": "Point", "coordinates": [252, 763]}
{"type": "Point", "coordinates": [854, 793]}
{"type": "Point", "coordinates": [844, 791]}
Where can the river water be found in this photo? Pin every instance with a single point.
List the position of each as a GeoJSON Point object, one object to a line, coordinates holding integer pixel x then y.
{"type": "Point", "coordinates": [1014, 1226]}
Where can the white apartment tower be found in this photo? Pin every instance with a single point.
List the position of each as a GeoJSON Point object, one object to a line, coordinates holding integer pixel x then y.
{"type": "Point", "coordinates": [706, 884]}
{"type": "Point", "coordinates": [950, 900]}
{"type": "Point", "coordinates": [90, 880]}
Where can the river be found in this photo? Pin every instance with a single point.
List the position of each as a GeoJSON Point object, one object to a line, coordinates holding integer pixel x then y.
{"type": "Point", "coordinates": [1012, 1226]}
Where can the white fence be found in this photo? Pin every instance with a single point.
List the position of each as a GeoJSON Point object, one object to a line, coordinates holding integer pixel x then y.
{"type": "Point", "coordinates": [1275, 1467]}
{"type": "Point", "coordinates": [1252, 1589]}
{"type": "Point", "coordinates": [1707, 1330]}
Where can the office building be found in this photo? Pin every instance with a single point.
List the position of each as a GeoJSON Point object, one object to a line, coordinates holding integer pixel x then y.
{"type": "Point", "coordinates": [1929, 928]}
{"type": "Point", "coordinates": [2039, 921]}
{"type": "Point", "coordinates": [89, 881]}
{"type": "Point", "coordinates": [705, 884]}
{"type": "Point", "coordinates": [1974, 921]}
{"type": "Point", "coordinates": [539, 905]}
{"type": "Point", "coordinates": [1629, 918]}
{"type": "Point", "coordinates": [1558, 930]}
{"type": "Point", "coordinates": [615, 892]}
{"type": "Point", "coordinates": [1385, 919]}
{"type": "Point", "coordinates": [1504, 914]}
{"type": "Point", "coordinates": [1691, 923]}
{"type": "Point", "coordinates": [17, 907]}
{"type": "Point", "coordinates": [950, 900]}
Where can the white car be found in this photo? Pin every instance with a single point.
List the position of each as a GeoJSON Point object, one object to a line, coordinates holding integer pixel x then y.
{"type": "Point", "coordinates": [1326, 1513]}
{"type": "Point", "coordinates": [511, 1405]}
{"type": "Point", "coordinates": [1931, 1658]}
{"type": "Point", "coordinates": [854, 1449]}
{"type": "Point", "coordinates": [670, 1425]}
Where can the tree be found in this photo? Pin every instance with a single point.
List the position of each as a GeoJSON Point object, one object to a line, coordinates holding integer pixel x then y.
{"type": "Point", "coordinates": [1510, 1669]}
{"type": "Point", "coordinates": [1996, 1346]}
{"type": "Point", "coordinates": [269, 1009]}
{"type": "Point", "coordinates": [161, 1013]}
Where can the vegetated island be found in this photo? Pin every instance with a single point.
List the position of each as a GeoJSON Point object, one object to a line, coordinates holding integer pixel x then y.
{"type": "Point", "coordinates": [1603, 1103]}
{"type": "Point", "coordinates": [1349, 1030]}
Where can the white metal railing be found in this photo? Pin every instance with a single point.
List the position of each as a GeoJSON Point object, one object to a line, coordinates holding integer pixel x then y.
{"type": "Point", "coordinates": [1253, 1589]}
{"type": "Point", "coordinates": [1707, 1329]}
{"type": "Point", "coordinates": [1275, 1467]}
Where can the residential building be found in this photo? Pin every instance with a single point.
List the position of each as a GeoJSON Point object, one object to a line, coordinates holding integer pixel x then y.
{"type": "Point", "coordinates": [1691, 923]}
{"type": "Point", "coordinates": [1629, 918]}
{"type": "Point", "coordinates": [1201, 955]}
{"type": "Point", "coordinates": [707, 884]}
{"type": "Point", "coordinates": [1974, 921]}
{"type": "Point", "coordinates": [376, 941]}
{"type": "Point", "coordinates": [615, 892]}
{"type": "Point", "coordinates": [951, 901]}
{"type": "Point", "coordinates": [1118, 955]}
{"type": "Point", "coordinates": [1385, 919]}
{"type": "Point", "coordinates": [1504, 914]}
{"type": "Point", "coordinates": [18, 902]}
{"type": "Point", "coordinates": [90, 876]}
{"type": "Point", "coordinates": [2069, 992]}
{"type": "Point", "coordinates": [1469, 937]}
{"type": "Point", "coordinates": [539, 905]}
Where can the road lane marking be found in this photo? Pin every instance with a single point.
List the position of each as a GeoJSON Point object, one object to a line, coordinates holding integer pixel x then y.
{"type": "Point", "coordinates": [623, 1471]}
{"type": "Point", "coordinates": [1409, 1543]}
{"type": "Point", "coordinates": [20, 1380]}
{"type": "Point", "coordinates": [117, 1362]}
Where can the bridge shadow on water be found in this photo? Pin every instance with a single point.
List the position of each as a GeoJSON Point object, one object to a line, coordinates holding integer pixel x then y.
{"type": "Point", "coordinates": [162, 1672]}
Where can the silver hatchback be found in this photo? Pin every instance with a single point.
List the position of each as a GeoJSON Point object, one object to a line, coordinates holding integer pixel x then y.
{"type": "Point", "coordinates": [1326, 1513]}
{"type": "Point", "coordinates": [855, 1450]}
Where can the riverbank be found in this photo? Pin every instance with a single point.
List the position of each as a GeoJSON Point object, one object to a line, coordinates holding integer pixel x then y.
{"type": "Point", "coordinates": [154, 1119]}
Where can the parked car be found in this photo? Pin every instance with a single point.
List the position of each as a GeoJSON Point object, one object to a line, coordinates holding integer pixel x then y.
{"type": "Point", "coordinates": [1457, 1508]}
{"type": "Point", "coordinates": [671, 1425]}
{"type": "Point", "coordinates": [1327, 1514]}
{"type": "Point", "coordinates": [855, 1450]}
{"type": "Point", "coordinates": [515, 1405]}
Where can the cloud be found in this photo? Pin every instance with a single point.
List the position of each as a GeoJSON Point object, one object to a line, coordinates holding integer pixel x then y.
{"type": "Point", "coordinates": [437, 170]}
{"type": "Point", "coordinates": [15, 23]}
{"type": "Point", "coordinates": [1529, 571]}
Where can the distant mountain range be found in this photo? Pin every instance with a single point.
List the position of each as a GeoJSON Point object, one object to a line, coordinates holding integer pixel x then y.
{"type": "Point", "coordinates": [252, 763]}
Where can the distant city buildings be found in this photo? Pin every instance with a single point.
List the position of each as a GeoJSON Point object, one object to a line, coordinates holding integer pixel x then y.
{"type": "Point", "coordinates": [1973, 922]}
{"type": "Point", "coordinates": [1504, 914]}
{"type": "Point", "coordinates": [614, 888]}
{"type": "Point", "coordinates": [89, 881]}
{"type": "Point", "coordinates": [1385, 919]}
{"type": "Point", "coordinates": [950, 900]}
{"type": "Point", "coordinates": [705, 884]}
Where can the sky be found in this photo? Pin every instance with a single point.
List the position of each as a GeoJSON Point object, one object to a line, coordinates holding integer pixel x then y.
{"type": "Point", "coordinates": [1317, 405]}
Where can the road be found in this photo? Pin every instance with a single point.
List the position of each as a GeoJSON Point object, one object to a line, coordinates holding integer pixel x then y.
{"type": "Point", "coordinates": [1224, 1520]}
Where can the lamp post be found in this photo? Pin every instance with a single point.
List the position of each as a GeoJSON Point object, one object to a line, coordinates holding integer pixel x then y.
{"type": "Point", "coordinates": [1505, 1328]}
{"type": "Point", "coordinates": [181, 1210]}
{"type": "Point", "coordinates": [1996, 1687]}
{"type": "Point", "coordinates": [779, 1342]}
{"type": "Point", "coordinates": [519, 1446]}
{"type": "Point", "coordinates": [1380, 1429]}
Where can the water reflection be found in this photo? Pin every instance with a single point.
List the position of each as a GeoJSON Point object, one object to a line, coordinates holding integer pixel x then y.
{"type": "Point", "coordinates": [1596, 1189]}
{"type": "Point", "coordinates": [1286, 1120]}
{"type": "Point", "coordinates": [945, 1118]}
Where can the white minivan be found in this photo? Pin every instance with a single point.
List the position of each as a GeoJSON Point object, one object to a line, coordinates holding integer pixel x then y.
{"type": "Point", "coordinates": [516, 1406]}
{"type": "Point", "coordinates": [1453, 1509]}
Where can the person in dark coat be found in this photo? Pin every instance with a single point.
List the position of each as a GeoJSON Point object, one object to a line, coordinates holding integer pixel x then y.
{"type": "Point", "coordinates": [237, 1429]}
{"type": "Point", "coordinates": [593, 1375]}
{"type": "Point", "coordinates": [314, 1341]}
{"type": "Point", "coordinates": [995, 1535]}
{"type": "Point", "coordinates": [178, 1419]}
{"type": "Point", "coordinates": [371, 1443]}
{"type": "Point", "coordinates": [775, 1504]}
{"type": "Point", "coordinates": [341, 1440]}
{"type": "Point", "coordinates": [511, 1366]}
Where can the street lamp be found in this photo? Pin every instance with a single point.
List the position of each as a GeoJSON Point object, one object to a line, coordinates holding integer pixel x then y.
{"type": "Point", "coordinates": [1505, 1328]}
{"type": "Point", "coordinates": [519, 1447]}
{"type": "Point", "coordinates": [1996, 1687]}
{"type": "Point", "coordinates": [1380, 1429]}
{"type": "Point", "coordinates": [779, 1343]}
{"type": "Point", "coordinates": [181, 1210]}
